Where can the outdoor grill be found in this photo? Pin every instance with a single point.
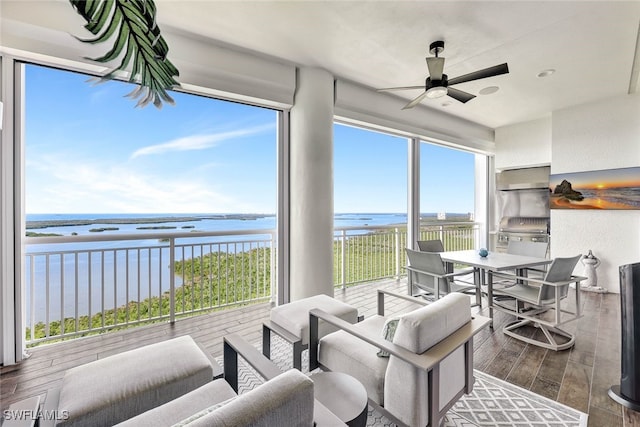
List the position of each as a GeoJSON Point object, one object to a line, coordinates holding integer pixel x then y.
{"type": "Point", "coordinates": [522, 229]}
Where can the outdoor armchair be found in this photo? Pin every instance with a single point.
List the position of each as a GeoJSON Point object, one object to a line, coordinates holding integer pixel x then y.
{"type": "Point", "coordinates": [430, 362]}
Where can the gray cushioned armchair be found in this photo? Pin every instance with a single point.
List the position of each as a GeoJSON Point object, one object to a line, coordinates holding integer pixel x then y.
{"type": "Point", "coordinates": [431, 357]}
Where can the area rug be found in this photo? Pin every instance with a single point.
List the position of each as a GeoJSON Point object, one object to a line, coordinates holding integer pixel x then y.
{"type": "Point", "coordinates": [493, 402]}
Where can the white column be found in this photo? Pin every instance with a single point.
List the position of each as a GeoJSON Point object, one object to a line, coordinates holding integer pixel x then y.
{"type": "Point", "coordinates": [311, 185]}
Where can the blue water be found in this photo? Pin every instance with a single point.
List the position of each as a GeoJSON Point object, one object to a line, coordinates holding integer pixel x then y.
{"type": "Point", "coordinates": [203, 223]}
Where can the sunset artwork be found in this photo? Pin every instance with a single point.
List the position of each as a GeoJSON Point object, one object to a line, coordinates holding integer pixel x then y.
{"type": "Point", "coordinates": [603, 189]}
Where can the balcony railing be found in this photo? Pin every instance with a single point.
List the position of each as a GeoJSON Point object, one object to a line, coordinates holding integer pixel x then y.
{"type": "Point", "coordinates": [79, 285]}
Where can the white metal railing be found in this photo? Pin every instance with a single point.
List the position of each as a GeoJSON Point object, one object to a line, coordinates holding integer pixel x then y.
{"type": "Point", "coordinates": [78, 285]}
{"type": "Point", "coordinates": [369, 253]}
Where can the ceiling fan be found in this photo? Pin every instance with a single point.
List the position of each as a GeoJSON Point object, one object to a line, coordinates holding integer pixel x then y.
{"type": "Point", "coordinates": [438, 84]}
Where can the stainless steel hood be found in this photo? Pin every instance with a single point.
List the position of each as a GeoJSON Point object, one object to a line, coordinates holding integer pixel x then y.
{"type": "Point", "coordinates": [523, 179]}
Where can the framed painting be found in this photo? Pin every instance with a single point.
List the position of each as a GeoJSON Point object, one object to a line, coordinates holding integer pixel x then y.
{"type": "Point", "coordinates": [602, 189]}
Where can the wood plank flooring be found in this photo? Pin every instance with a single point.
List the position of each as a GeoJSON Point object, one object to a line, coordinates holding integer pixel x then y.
{"type": "Point", "coordinates": [578, 377]}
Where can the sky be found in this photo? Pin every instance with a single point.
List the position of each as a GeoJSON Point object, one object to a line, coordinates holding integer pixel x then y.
{"type": "Point", "coordinates": [88, 150]}
{"type": "Point", "coordinates": [601, 179]}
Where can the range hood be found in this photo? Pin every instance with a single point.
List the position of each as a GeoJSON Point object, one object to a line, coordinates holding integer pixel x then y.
{"type": "Point", "coordinates": [523, 179]}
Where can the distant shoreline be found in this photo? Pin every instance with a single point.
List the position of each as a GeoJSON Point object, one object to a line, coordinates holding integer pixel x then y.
{"type": "Point", "coordinates": [33, 225]}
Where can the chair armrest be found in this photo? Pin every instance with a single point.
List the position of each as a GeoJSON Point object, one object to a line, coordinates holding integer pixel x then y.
{"type": "Point", "coordinates": [234, 345]}
{"type": "Point", "coordinates": [573, 279]}
{"type": "Point", "coordinates": [323, 417]}
{"type": "Point", "coordinates": [440, 276]}
{"type": "Point", "coordinates": [425, 361]}
{"type": "Point", "coordinates": [382, 293]}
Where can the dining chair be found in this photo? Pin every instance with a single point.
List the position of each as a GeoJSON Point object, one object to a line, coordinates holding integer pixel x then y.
{"type": "Point", "coordinates": [427, 272]}
{"type": "Point", "coordinates": [538, 303]}
{"type": "Point", "coordinates": [532, 249]}
{"type": "Point", "coordinates": [434, 245]}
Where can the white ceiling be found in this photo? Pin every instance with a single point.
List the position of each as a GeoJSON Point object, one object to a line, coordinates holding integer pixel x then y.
{"type": "Point", "coordinates": [591, 45]}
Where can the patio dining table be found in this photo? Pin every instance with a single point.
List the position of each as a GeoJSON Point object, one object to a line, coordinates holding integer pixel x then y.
{"type": "Point", "coordinates": [494, 262]}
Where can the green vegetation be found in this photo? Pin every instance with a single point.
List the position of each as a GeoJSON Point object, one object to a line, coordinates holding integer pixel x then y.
{"type": "Point", "coordinates": [34, 234]}
{"type": "Point", "coordinates": [101, 229]}
{"type": "Point", "coordinates": [213, 281]}
{"type": "Point", "coordinates": [157, 227]}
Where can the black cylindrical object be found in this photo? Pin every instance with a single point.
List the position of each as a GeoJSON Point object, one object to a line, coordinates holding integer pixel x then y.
{"type": "Point", "coordinates": [628, 392]}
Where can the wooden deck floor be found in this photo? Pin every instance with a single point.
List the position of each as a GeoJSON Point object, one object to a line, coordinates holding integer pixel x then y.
{"type": "Point", "coordinates": [579, 377]}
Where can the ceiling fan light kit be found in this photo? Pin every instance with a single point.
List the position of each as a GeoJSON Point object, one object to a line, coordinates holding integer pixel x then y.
{"type": "Point", "coordinates": [438, 85]}
{"type": "Point", "coordinates": [436, 92]}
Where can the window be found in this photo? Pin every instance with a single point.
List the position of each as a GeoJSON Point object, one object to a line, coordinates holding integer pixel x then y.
{"type": "Point", "coordinates": [96, 166]}
{"type": "Point", "coordinates": [447, 182]}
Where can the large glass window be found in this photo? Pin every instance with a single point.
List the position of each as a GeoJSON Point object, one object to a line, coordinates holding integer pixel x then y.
{"type": "Point", "coordinates": [447, 181]}
{"type": "Point", "coordinates": [447, 196]}
{"type": "Point", "coordinates": [370, 204]}
{"type": "Point", "coordinates": [102, 170]}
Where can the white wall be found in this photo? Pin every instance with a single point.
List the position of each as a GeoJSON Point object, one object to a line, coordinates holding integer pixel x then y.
{"type": "Point", "coordinates": [523, 144]}
{"type": "Point", "coordinates": [602, 135]}
{"type": "Point", "coordinates": [594, 136]}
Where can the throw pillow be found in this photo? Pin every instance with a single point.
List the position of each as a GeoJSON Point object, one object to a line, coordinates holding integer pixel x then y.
{"type": "Point", "coordinates": [388, 331]}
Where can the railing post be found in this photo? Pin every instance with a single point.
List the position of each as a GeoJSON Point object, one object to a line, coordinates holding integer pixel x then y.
{"type": "Point", "coordinates": [441, 227]}
{"type": "Point", "coordinates": [396, 235]}
{"type": "Point", "coordinates": [172, 280]}
{"type": "Point", "coordinates": [343, 264]}
{"type": "Point", "coordinates": [272, 279]}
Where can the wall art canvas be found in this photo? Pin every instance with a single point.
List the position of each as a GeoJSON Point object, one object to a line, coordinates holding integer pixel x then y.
{"type": "Point", "coordinates": [602, 189]}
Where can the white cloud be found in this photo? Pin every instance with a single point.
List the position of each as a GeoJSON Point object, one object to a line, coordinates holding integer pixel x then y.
{"type": "Point", "coordinates": [94, 187]}
{"type": "Point", "coordinates": [198, 142]}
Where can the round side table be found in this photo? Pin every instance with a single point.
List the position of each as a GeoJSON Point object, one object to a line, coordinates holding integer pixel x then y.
{"type": "Point", "coordinates": [343, 395]}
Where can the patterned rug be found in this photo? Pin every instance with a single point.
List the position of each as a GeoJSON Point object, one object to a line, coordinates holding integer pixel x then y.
{"type": "Point", "coordinates": [493, 402]}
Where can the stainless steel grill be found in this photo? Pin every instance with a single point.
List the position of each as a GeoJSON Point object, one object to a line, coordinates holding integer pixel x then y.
{"type": "Point", "coordinates": [523, 229]}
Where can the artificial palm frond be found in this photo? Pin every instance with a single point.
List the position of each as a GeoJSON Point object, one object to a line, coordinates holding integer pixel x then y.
{"type": "Point", "coordinates": [139, 37]}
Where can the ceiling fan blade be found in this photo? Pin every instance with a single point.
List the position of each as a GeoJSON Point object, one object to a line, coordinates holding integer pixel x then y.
{"type": "Point", "coordinates": [481, 74]}
{"type": "Point", "coordinates": [416, 101]}
{"type": "Point", "coordinates": [400, 88]}
{"type": "Point", "coordinates": [436, 65]}
{"type": "Point", "coordinates": [459, 95]}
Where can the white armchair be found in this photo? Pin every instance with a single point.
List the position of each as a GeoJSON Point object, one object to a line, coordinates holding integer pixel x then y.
{"type": "Point", "coordinates": [431, 343]}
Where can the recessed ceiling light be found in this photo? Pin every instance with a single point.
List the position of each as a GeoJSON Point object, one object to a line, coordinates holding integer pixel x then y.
{"type": "Point", "coordinates": [546, 73]}
{"type": "Point", "coordinates": [489, 90]}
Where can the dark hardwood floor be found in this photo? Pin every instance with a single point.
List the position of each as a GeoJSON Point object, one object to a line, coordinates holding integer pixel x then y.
{"type": "Point", "coordinates": [578, 377]}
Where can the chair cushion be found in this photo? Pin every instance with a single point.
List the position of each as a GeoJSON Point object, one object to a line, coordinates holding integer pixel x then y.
{"type": "Point", "coordinates": [196, 402]}
{"type": "Point", "coordinates": [294, 317]}
{"type": "Point", "coordinates": [285, 400]}
{"type": "Point", "coordinates": [342, 352]}
{"type": "Point", "coordinates": [421, 329]}
{"type": "Point", "coordinates": [118, 387]}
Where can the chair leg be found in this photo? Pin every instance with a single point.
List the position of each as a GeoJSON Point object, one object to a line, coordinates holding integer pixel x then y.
{"type": "Point", "coordinates": [266, 341]}
{"type": "Point", "coordinates": [297, 355]}
{"type": "Point", "coordinates": [551, 343]}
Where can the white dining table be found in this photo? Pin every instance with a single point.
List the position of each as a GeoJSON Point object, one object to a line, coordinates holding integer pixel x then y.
{"type": "Point", "coordinates": [494, 262]}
